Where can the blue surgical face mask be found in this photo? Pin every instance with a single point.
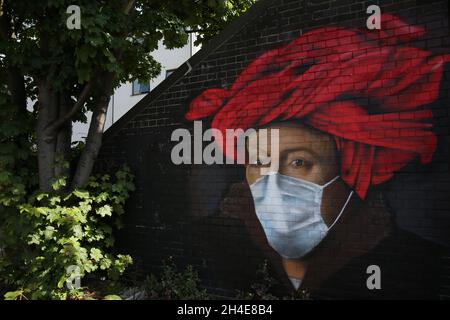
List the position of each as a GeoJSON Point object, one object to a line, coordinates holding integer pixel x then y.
{"type": "Point", "coordinates": [289, 211]}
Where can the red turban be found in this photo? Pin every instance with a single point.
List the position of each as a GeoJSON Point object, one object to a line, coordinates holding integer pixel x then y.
{"type": "Point", "coordinates": [367, 88]}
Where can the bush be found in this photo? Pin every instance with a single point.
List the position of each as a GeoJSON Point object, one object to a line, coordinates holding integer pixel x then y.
{"type": "Point", "coordinates": [262, 288]}
{"type": "Point", "coordinates": [175, 285]}
{"type": "Point", "coordinates": [49, 235]}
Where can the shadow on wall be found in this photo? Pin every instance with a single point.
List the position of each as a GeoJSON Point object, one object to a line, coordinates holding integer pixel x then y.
{"type": "Point", "coordinates": [418, 194]}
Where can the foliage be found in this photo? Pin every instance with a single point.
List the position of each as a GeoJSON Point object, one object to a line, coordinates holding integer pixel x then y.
{"type": "Point", "coordinates": [75, 70]}
{"type": "Point", "coordinates": [110, 39]}
{"type": "Point", "coordinates": [50, 232]}
{"type": "Point", "coordinates": [17, 158]}
{"type": "Point", "coordinates": [69, 71]}
{"type": "Point", "coordinates": [210, 23]}
{"type": "Point", "coordinates": [262, 288]}
{"type": "Point", "coordinates": [172, 284]}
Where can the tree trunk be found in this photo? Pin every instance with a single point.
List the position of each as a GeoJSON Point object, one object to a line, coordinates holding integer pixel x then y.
{"type": "Point", "coordinates": [63, 139]}
{"type": "Point", "coordinates": [95, 135]}
{"type": "Point", "coordinates": [16, 86]}
{"type": "Point", "coordinates": [48, 103]}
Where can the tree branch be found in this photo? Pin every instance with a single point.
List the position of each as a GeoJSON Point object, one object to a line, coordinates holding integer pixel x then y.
{"type": "Point", "coordinates": [48, 111]}
{"type": "Point", "coordinates": [63, 138]}
{"type": "Point", "coordinates": [95, 134]}
{"type": "Point", "coordinates": [53, 128]}
{"type": "Point", "coordinates": [94, 138]}
{"type": "Point", "coordinates": [128, 5]}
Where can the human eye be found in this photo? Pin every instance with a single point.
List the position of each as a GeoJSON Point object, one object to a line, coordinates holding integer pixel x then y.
{"type": "Point", "coordinates": [260, 162]}
{"type": "Point", "coordinates": [298, 163]}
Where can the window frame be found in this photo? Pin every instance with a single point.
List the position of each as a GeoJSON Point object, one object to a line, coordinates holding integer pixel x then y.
{"type": "Point", "coordinates": [171, 71]}
{"type": "Point", "coordinates": [137, 93]}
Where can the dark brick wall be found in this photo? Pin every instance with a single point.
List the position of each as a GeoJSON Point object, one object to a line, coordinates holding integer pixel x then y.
{"type": "Point", "coordinates": [191, 212]}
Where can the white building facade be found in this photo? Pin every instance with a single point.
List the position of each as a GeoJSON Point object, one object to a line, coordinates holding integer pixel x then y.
{"type": "Point", "coordinates": [129, 93]}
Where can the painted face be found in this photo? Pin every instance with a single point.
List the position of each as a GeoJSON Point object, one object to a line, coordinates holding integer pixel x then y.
{"type": "Point", "coordinates": [307, 154]}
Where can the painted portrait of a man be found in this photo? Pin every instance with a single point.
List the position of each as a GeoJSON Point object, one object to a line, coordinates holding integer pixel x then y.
{"type": "Point", "coordinates": [352, 110]}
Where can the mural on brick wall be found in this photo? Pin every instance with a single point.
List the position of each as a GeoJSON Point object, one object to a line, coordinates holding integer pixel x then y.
{"type": "Point", "coordinates": [351, 109]}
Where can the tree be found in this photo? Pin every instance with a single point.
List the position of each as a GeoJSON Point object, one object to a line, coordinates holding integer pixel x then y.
{"type": "Point", "coordinates": [69, 71]}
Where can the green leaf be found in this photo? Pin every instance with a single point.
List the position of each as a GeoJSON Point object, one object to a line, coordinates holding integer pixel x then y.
{"type": "Point", "coordinates": [41, 196]}
{"type": "Point", "coordinates": [78, 231]}
{"type": "Point", "coordinates": [61, 282]}
{"type": "Point", "coordinates": [81, 194]}
{"type": "Point", "coordinates": [85, 206]}
{"type": "Point", "coordinates": [96, 254]}
{"type": "Point", "coordinates": [58, 183]}
{"type": "Point", "coordinates": [48, 233]}
{"type": "Point", "coordinates": [112, 297]}
{"type": "Point", "coordinates": [34, 239]}
{"type": "Point", "coordinates": [83, 54]}
{"type": "Point", "coordinates": [105, 210]}
{"type": "Point", "coordinates": [13, 295]}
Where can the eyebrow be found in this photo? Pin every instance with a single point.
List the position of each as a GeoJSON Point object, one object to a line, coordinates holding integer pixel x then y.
{"type": "Point", "coordinates": [290, 150]}
{"type": "Point", "coordinates": [295, 149]}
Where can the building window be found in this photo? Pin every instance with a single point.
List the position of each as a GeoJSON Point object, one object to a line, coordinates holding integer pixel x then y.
{"type": "Point", "coordinates": [140, 88]}
{"type": "Point", "coordinates": [169, 72]}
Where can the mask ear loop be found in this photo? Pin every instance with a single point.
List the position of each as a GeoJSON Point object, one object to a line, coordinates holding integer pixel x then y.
{"type": "Point", "coordinates": [330, 182]}
{"type": "Point", "coordinates": [342, 210]}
